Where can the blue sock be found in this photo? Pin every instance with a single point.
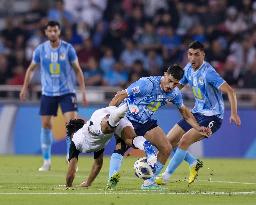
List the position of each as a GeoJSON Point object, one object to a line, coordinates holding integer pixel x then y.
{"type": "Point", "coordinates": [159, 166]}
{"type": "Point", "coordinates": [189, 158]}
{"type": "Point", "coordinates": [176, 160]}
{"type": "Point", "coordinates": [46, 143]}
{"type": "Point", "coordinates": [68, 142]}
{"type": "Point", "coordinates": [115, 163]}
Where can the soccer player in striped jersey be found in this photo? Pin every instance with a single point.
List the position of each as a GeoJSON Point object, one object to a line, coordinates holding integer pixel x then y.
{"type": "Point", "coordinates": [57, 60]}
{"type": "Point", "coordinates": [207, 86]}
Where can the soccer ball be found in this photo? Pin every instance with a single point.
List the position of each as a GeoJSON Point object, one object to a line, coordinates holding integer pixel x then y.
{"type": "Point", "coordinates": [142, 169]}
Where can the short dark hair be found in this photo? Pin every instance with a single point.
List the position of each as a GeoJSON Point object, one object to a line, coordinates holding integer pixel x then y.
{"type": "Point", "coordinates": [196, 45]}
{"type": "Point", "coordinates": [52, 24]}
{"type": "Point", "coordinates": [73, 125]}
{"type": "Point", "coordinates": [176, 71]}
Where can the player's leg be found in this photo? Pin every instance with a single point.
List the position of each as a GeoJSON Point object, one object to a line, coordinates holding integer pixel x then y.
{"type": "Point", "coordinates": [48, 108]}
{"type": "Point", "coordinates": [189, 138]}
{"type": "Point", "coordinates": [116, 162]}
{"type": "Point", "coordinates": [158, 138]}
{"type": "Point", "coordinates": [126, 131]}
{"type": "Point", "coordinates": [69, 109]}
{"type": "Point", "coordinates": [46, 142]}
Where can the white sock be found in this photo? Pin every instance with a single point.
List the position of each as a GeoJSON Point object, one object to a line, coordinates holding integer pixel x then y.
{"type": "Point", "coordinates": [47, 161]}
{"type": "Point", "coordinates": [138, 142]}
{"type": "Point", "coordinates": [117, 114]}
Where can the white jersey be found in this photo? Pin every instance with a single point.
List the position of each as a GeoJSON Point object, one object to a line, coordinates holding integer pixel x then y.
{"type": "Point", "coordinates": [90, 137]}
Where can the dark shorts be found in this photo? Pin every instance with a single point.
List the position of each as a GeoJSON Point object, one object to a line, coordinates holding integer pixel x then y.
{"type": "Point", "coordinates": [212, 122]}
{"type": "Point", "coordinates": [141, 129]}
{"type": "Point", "coordinates": [49, 104]}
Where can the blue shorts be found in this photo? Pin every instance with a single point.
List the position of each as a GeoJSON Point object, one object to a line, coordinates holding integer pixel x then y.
{"type": "Point", "coordinates": [49, 104]}
{"type": "Point", "coordinates": [212, 122]}
{"type": "Point", "coordinates": [141, 129]}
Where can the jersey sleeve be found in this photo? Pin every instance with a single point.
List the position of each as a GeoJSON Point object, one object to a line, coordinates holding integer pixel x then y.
{"type": "Point", "coordinates": [178, 100]}
{"type": "Point", "coordinates": [213, 78]}
{"type": "Point", "coordinates": [183, 80]}
{"type": "Point", "coordinates": [36, 55]}
{"type": "Point", "coordinates": [72, 56]}
{"type": "Point", "coordinates": [140, 88]}
{"type": "Point", "coordinates": [73, 152]}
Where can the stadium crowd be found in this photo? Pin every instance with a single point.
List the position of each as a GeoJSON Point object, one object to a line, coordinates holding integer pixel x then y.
{"type": "Point", "coordinates": [117, 42]}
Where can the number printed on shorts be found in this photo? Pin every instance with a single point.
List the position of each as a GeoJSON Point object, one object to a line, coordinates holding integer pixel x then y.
{"type": "Point", "coordinates": [211, 124]}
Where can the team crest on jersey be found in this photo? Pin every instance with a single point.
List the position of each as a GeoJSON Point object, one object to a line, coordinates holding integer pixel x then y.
{"type": "Point", "coordinates": [201, 80]}
{"type": "Point", "coordinates": [62, 56]}
{"type": "Point", "coordinates": [136, 89]}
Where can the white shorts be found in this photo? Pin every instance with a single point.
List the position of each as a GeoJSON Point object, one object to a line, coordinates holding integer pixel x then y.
{"type": "Point", "coordinates": [124, 122]}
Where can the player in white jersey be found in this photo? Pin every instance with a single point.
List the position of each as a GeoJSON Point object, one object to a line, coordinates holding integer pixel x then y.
{"type": "Point", "coordinates": [207, 86]}
{"type": "Point", "coordinates": [93, 136]}
{"type": "Point", "coordinates": [57, 60]}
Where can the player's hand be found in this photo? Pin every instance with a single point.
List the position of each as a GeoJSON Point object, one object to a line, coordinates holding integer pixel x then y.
{"type": "Point", "coordinates": [85, 184]}
{"type": "Point", "coordinates": [234, 118]}
{"type": "Point", "coordinates": [205, 131]}
{"type": "Point", "coordinates": [23, 94]}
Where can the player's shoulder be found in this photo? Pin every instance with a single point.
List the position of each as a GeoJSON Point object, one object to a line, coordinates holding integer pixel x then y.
{"type": "Point", "coordinates": [187, 67]}
{"type": "Point", "coordinates": [208, 67]}
{"type": "Point", "coordinates": [66, 44]}
{"type": "Point", "coordinates": [149, 81]}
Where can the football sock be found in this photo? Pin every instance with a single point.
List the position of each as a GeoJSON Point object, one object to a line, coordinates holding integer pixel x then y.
{"type": "Point", "coordinates": [138, 142]}
{"type": "Point", "coordinates": [176, 160]}
{"type": "Point", "coordinates": [189, 158]}
{"type": "Point", "coordinates": [68, 142]}
{"type": "Point", "coordinates": [115, 163]}
{"type": "Point", "coordinates": [46, 142]}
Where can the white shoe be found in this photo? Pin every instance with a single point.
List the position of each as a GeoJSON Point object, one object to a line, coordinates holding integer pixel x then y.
{"type": "Point", "coordinates": [45, 167]}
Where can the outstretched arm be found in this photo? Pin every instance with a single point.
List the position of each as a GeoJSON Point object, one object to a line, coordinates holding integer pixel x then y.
{"type": "Point", "coordinates": [119, 97]}
{"type": "Point", "coordinates": [80, 79]}
{"type": "Point", "coordinates": [71, 172]}
{"type": "Point", "coordinates": [225, 88]}
{"type": "Point", "coordinates": [27, 79]}
{"type": "Point", "coordinates": [96, 167]}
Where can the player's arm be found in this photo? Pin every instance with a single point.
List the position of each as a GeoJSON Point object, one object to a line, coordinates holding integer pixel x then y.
{"type": "Point", "coordinates": [189, 117]}
{"type": "Point", "coordinates": [119, 97]}
{"type": "Point", "coordinates": [73, 159]}
{"type": "Point", "coordinates": [80, 79]}
{"type": "Point", "coordinates": [225, 88]}
{"type": "Point", "coordinates": [96, 167]}
{"type": "Point", "coordinates": [28, 75]}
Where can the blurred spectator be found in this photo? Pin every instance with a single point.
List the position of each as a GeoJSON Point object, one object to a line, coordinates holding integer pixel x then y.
{"type": "Point", "coordinates": [89, 11]}
{"type": "Point", "coordinates": [153, 63]}
{"type": "Point", "coordinates": [99, 33]}
{"type": "Point", "coordinates": [18, 76]}
{"type": "Point", "coordinates": [231, 72]}
{"type": "Point", "coordinates": [188, 18]}
{"type": "Point", "coordinates": [148, 39]}
{"type": "Point", "coordinates": [87, 51]}
{"type": "Point", "coordinates": [4, 71]}
{"type": "Point", "coordinates": [116, 77]}
{"type": "Point", "coordinates": [107, 61]}
{"type": "Point", "coordinates": [60, 14]}
{"type": "Point", "coordinates": [33, 17]}
{"type": "Point", "coordinates": [131, 53]}
{"type": "Point", "coordinates": [249, 78]}
{"type": "Point", "coordinates": [93, 74]}
{"type": "Point", "coordinates": [137, 71]}
{"type": "Point", "coordinates": [234, 22]}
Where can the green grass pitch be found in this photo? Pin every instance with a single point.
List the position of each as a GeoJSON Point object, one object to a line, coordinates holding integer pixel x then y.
{"type": "Point", "coordinates": [220, 181]}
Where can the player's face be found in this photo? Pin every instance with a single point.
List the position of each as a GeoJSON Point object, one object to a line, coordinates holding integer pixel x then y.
{"type": "Point", "coordinates": [196, 57]}
{"type": "Point", "coordinates": [169, 82]}
{"type": "Point", "coordinates": [52, 33]}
